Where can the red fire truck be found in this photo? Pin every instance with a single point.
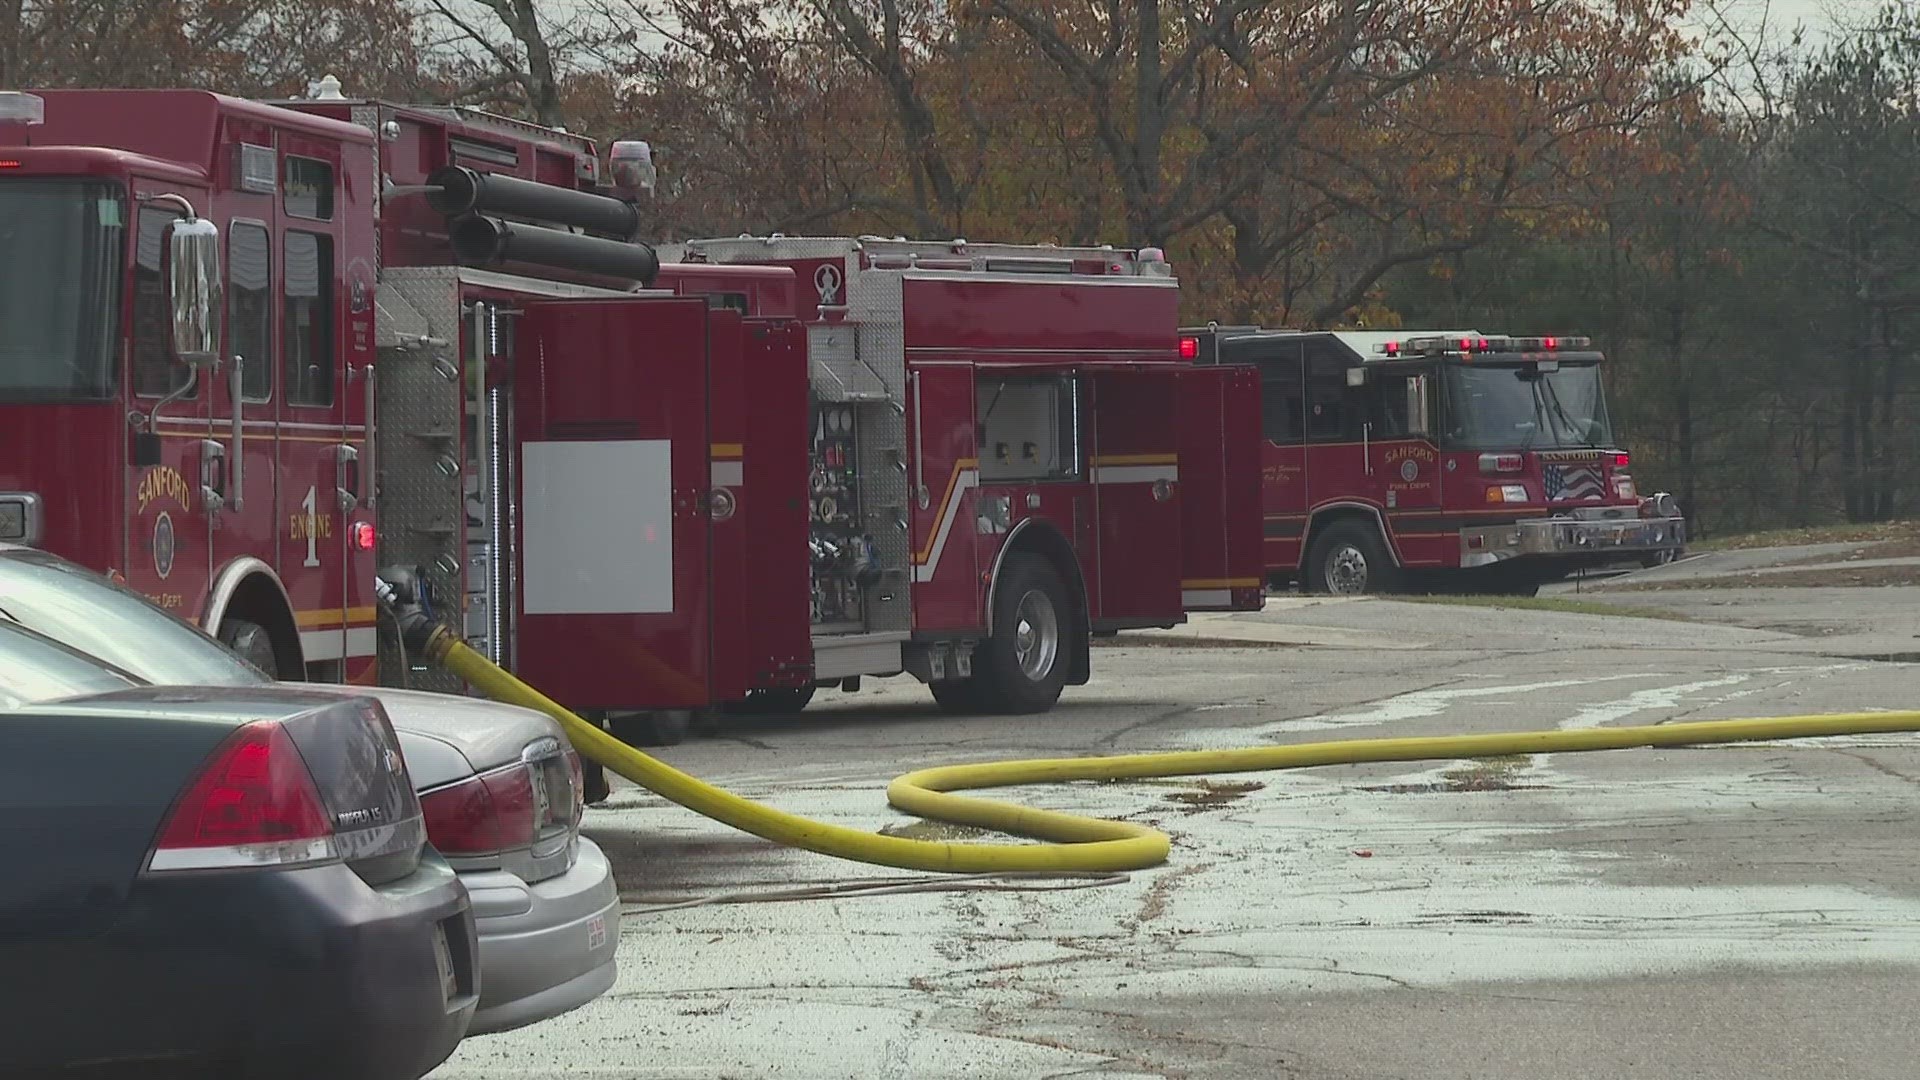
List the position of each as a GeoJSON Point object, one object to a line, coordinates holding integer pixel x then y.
{"type": "Point", "coordinates": [1451, 459]}
{"type": "Point", "coordinates": [436, 343]}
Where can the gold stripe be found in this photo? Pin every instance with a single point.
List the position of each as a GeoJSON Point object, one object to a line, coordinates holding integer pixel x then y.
{"type": "Point", "coordinates": [282, 437]}
{"type": "Point", "coordinates": [1220, 583]}
{"type": "Point", "coordinates": [727, 450]}
{"type": "Point", "coordinates": [920, 558]}
{"type": "Point", "coordinates": [1136, 459]}
{"type": "Point", "coordinates": [330, 618]}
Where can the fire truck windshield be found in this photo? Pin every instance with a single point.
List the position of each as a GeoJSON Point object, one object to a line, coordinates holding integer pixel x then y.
{"type": "Point", "coordinates": [62, 244]}
{"type": "Point", "coordinates": [1521, 408]}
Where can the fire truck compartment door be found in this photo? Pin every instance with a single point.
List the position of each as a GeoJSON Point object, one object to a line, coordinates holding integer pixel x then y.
{"type": "Point", "coordinates": [1137, 480]}
{"type": "Point", "coordinates": [614, 597]}
{"type": "Point", "coordinates": [1220, 510]}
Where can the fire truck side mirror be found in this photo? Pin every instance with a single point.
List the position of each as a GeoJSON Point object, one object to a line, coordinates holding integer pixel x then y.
{"type": "Point", "coordinates": [1417, 422]}
{"type": "Point", "coordinates": [194, 289]}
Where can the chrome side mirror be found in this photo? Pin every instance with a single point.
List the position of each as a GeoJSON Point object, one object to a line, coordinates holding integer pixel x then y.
{"type": "Point", "coordinates": [195, 290]}
{"type": "Point", "coordinates": [1417, 423]}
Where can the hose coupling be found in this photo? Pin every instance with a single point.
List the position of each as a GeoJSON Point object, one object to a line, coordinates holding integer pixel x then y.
{"type": "Point", "coordinates": [404, 592]}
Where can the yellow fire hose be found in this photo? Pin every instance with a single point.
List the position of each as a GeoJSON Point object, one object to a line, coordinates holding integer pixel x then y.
{"type": "Point", "coordinates": [1080, 844]}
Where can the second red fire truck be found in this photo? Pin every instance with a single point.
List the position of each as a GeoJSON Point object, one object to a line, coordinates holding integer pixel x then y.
{"type": "Point", "coordinates": [1455, 459]}
{"type": "Point", "coordinates": [255, 352]}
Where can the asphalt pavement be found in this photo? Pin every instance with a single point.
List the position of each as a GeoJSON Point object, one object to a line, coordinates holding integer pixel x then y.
{"type": "Point", "coordinates": [1738, 912]}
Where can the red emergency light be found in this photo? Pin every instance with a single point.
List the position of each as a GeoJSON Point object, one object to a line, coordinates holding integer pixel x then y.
{"type": "Point", "coordinates": [1621, 459]}
{"type": "Point", "coordinates": [9, 164]}
{"type": "Point", "coordinates": [363, 535]}
{"type": "Point", "coordinates": [1189, 348]}
{"type": "Point", "coordinates": [1469, 346]}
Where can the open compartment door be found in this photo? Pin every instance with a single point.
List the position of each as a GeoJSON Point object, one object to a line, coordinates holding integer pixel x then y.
{"type": "Point", "coordinates": [614, 528]}
{"type": "Point", "coordinates": [1220, 535]}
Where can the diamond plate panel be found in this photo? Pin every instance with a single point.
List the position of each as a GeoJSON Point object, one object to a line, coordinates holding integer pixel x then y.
{"type": "Point", "coordinates": [418, 415]}
{"type": "Point", "coordinates": [835, 367]}
{"type": "Point", "coordinates": [396, 320]}
{"type": "Point", "coordinates": [420, 509]}
{"type": "Point", "coordinates": [873, 305]}
{"type": "Point", "coordinates": [983, 257]}
{"type": "Point", "coordinates": [883, 502]}
{"type": "Point", "coordinates": [752, 249]}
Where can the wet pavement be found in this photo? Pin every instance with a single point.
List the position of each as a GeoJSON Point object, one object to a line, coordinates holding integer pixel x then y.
{"type": "Point", "coordinates": [1733, 912]}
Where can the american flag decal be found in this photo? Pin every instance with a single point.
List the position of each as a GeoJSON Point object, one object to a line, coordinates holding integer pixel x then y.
{"type": "Point", "coordinates": [1568, 482]}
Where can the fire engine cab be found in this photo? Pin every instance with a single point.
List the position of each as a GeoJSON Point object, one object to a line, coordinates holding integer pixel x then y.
{"type": "Point", "coordinates": [261, 350]}
{"type": "Point", "coordinates": [1451, 458]}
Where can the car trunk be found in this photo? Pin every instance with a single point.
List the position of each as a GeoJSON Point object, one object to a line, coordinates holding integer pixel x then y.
{"type": "Point", "coordinates": [485, 736]}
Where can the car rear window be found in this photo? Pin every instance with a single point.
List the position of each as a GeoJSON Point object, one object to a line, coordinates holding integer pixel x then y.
{"type": "Point", "coordinates": [33, 669]}
{"type": "Point", "coordinates": [85, 611]}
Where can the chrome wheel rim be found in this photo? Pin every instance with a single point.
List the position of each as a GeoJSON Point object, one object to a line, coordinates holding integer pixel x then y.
{"type": "Point", "coordinates": [1036, 635]}
{"type": "Point", "coordinates": [1347, 570]}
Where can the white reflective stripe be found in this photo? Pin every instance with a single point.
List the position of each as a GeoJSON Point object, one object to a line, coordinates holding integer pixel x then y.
{"type": "Point", "coordinates": [334, 644]}
{"type": "Point", "coordinates": [1134, 474]}
{"type": "Point", "coordinates": [727, 473]}
{"type": "Point", "coordinates": [233, 856]}
{"type": "Point", "coordinates": [949, 513]}
{"type": "Point", "coordinates": [1195, 598]}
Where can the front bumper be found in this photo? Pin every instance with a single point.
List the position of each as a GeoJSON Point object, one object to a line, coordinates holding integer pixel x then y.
{"type": "Point", "coordinates": [546, 948]}
{"type": "Point", "coordinates": [1583, 539]}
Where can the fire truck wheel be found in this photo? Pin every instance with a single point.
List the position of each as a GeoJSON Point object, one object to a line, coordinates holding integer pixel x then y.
{"type": "Point", "coordinates": [252, 642]}
{"type": "Point", "coordinates": [1347, 559]}
{"type": "Point", "coordinates": [783, 701]}
{"type": "Point", "coordinates": [661, 727]}
{"type": "Point", "coordinates": [956, 697]}
{"type": "Point", "coordinates": [1022, 667]}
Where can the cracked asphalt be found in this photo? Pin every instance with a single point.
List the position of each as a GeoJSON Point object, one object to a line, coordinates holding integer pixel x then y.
{"type": "Point", "coordinates": [1738, 912]}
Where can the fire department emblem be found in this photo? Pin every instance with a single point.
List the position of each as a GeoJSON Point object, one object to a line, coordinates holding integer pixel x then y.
{"type": "Point", "coordinates": [359, 286]}
{"type": "Point", "coordinates": [163, 544]}
{"type": "Point", "coordinates": [1409, 469]}
{"type": "Point", "coordinates": [827, 281]}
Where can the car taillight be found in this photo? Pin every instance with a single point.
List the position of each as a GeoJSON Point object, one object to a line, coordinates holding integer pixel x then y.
{"type": "Point", "coordinates": [254, 804]}
{"type": "Point", "coordinates": [483, 815]}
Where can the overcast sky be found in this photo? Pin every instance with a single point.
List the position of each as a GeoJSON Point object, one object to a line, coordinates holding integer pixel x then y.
{"type": "Point", "coordinates": [1817, 15]}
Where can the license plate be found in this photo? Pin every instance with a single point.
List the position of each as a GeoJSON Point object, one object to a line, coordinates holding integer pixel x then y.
{"type": "Point", "coordinates": [596, 933]}
{"type": "Point", "coordinates": [443, 956]}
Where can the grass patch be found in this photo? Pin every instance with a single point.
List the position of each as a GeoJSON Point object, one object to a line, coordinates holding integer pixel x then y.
{"type": "Point", "coordinates": [1550, 603]}
{"type": "Point", "coordinates": [1839, 577]}
{"type": "Point", "coordinates": [1815, 534]}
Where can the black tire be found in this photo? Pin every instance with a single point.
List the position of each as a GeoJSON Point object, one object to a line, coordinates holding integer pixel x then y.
{"type": "Point", "coordinates": [594, 780]}
{"type": "Point", "coordinates": [251, 642]}
{"type": "Point", "coordinates": [1660, 558]}
{"type": "Point", "coordinates": [661, 727]}
{"type": "Point", "coordinates": [784, 701]}
{"type": "Point", "coordinates": [956, 697]}
{"type": "Point", "coordinates": [1348, 559]}
{"type": "Point", "coordinates": [1022, 666]}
